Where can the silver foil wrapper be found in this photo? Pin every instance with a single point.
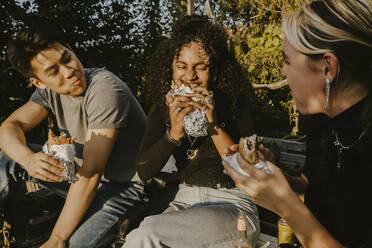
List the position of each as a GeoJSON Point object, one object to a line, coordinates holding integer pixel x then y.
{"type": "Point", "coordinates": [232, 160]}
{"type": "Point", "coordinates": [183, 91]}
{"type": "Point", "coordinates": [195, 123]}
{"type": "Point", "coordinates": [66, 155]}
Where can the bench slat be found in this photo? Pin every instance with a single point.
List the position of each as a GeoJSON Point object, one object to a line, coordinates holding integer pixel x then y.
{"type": "Point", "coordinates": [292, 157]}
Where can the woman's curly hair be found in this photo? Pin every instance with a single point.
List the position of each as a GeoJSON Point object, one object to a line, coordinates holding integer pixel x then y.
{"type": "Point", "coordinates": [227, 79]}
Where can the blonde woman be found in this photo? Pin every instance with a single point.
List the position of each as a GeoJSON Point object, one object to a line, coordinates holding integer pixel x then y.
{"type": "Point", "coordinates": [328, 53]}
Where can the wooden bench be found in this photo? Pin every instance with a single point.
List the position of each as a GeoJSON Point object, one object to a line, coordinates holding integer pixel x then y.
{"type": "Point", "coordinates": [290, 154]}
{"type": "Point", "coordinates": [32, 213]}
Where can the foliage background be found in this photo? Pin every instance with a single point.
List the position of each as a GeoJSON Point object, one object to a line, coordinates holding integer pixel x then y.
{"type": "Point", "coordinates": [121, 35]}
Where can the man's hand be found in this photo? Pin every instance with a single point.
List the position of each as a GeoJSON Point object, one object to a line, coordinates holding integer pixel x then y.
{"type": "Point", "coordinates": [54, 242]}
{"type": "Point", "coordinates": [44, 167]}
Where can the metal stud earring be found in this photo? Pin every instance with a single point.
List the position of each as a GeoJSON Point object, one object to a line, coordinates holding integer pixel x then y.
{"type": "Point", "coordinates": [327, 88]}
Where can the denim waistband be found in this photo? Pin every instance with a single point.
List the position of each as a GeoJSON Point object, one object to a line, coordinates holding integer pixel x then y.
{"type": "Point", "coordinates": [211, 184]}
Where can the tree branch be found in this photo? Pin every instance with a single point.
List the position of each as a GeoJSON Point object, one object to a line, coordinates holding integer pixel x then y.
{"type": "Point", "coordinates": [190, 7]}
{"type": "Point", "coordinates": [273, 86]}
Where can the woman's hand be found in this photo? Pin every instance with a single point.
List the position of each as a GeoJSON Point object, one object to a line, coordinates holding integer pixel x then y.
{"type": "Point", "coordinates": [207, 103]}
{"type": "Point", "coordinates": [231, 150]}
{"type": "Point", "coordinates": [178, 106]}
{"type": "Point", "coordinates": [270, 191]}
{"type": "Point", "coordinates": [265, 154]}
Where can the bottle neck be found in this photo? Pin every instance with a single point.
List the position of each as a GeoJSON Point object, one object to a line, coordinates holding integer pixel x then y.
{"type": "Point", "coordinates": [242, 238]}
{"type": "Point", "coordinates": [243, 241]}
{"type": "Point", "coordinates": [242, 235]}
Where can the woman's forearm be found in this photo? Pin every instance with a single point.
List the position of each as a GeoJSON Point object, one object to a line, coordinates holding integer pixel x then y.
{"type": "Point", "coordinates": [221, 139]}
{"type": "Point", "coordinates": [298, 184]}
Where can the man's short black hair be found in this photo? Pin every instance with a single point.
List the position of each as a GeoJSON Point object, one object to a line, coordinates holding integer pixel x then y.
{"type": "Point", "coordinates": [28, 42]}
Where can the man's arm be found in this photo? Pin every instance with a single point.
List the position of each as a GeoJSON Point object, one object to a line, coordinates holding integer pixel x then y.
{"type": "Point", "coordinates": [97, 149]}
{"type": "Point", "coordinates": [13, 142]}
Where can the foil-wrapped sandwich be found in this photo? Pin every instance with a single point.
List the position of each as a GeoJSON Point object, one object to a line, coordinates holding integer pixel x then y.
{"type": "Point", "coordinates": [195, 123]}
{"type": "Point", "coordinates": [62, 148]}
{"type": "Point", "coordinates": [248, 149]}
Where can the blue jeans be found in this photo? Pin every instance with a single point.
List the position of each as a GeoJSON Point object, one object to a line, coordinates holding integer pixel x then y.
{"type": "Point", "coordinates": [7, 177]}
{"type": "Point", "coordinates": [197, 217]}
{"type": "Point", "coordinates": [99, 227]}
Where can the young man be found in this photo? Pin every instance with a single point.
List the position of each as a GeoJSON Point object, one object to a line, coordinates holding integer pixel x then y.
{"type": "Point", "coordinates": [98, 109]}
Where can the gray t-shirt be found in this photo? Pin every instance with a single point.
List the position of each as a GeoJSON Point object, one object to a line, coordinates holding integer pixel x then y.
{"type": "Point", "coordinates": [107, 103]}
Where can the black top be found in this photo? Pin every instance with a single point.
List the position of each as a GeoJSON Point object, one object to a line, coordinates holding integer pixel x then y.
{"type": "Point", "coordinates": [339, 198]}
{"type": "Point", "coordinates": [206, 168]}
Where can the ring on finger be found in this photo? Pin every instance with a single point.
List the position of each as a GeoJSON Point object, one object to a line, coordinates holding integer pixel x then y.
{"type": "Point", "coordinates": [209, 99]}
{"type": "Point", "coordinates": [178, 108]}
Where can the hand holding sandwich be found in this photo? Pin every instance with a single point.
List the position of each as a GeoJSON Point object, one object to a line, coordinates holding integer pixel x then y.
{"type": "Point", "coordinates": [270, 191]}
{"type": "Point", "coordinates": [43, 167]}
{"type": "Point", "coordinates": [181, 101]}
{"type": "Point", "coordinates": [249, 150]}
{"type": "Point", "coordinates": [178, 106]}
{"type": "Point", "coordinates": [263, 153]}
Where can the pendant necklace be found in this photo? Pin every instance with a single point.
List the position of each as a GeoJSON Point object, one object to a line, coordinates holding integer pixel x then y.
{"type": "Point", "coordinates": [191, 153]}
{"type": "Point", "coordinates": [341, 148]}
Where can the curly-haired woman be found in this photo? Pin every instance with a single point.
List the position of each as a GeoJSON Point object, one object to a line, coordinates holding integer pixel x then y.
{"type": "Point", "coordinates": [205, 209]}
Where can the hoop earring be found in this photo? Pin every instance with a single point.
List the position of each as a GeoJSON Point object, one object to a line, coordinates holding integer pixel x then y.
{"type": "Point", "coordinates": [327, 88]}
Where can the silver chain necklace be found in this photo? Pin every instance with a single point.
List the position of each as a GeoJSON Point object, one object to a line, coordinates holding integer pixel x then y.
{"type": "Point", "coordinates": [191, 153]}
{"type": "Point", "coordinates": [341, 148]}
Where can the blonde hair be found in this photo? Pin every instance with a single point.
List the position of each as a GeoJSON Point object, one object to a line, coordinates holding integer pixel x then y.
{"type": "Point", "coordinates": [317, 27]}
{"type": "Point", "coordinates": [342, 27]}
